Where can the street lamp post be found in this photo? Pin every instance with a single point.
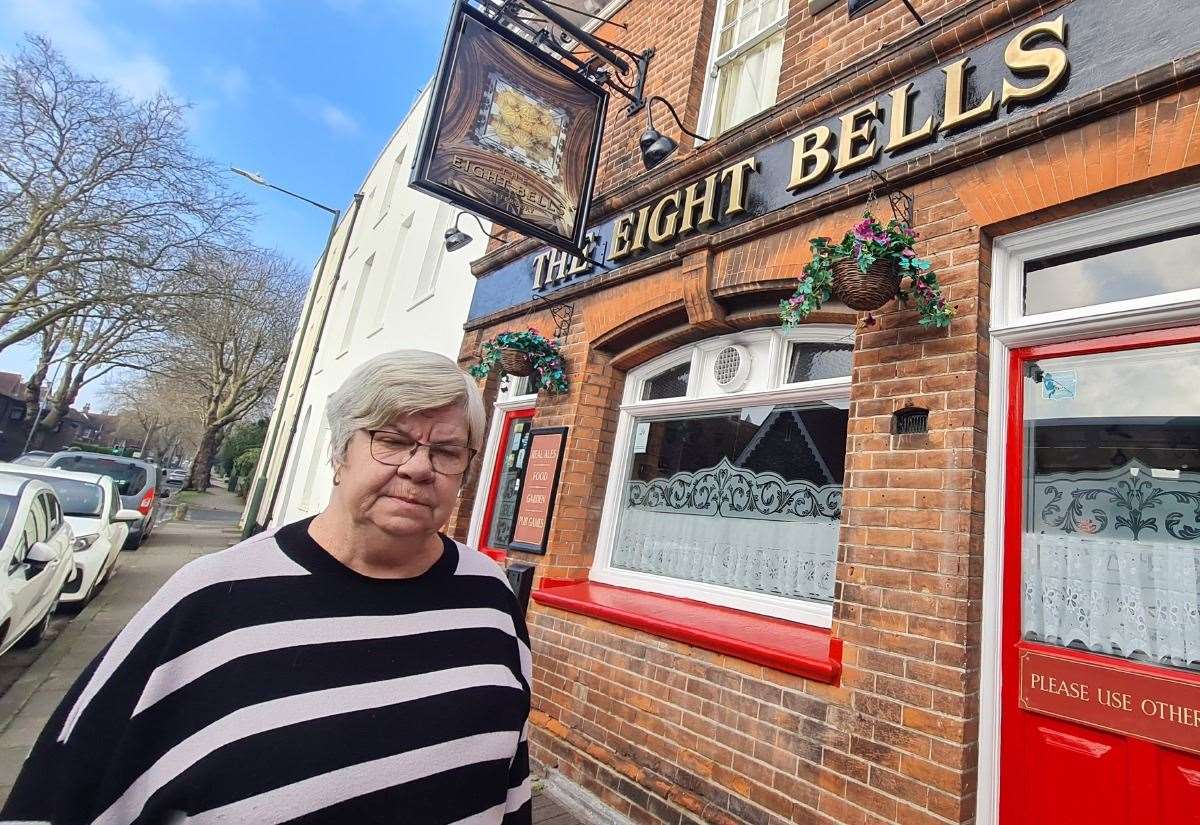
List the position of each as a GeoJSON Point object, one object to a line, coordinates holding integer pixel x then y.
{"type": "Point", "coordinates": [250, 527]}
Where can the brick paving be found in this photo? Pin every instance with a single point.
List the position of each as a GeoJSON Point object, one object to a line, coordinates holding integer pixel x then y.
{"type": "Point", "coordinates": [546, 811]}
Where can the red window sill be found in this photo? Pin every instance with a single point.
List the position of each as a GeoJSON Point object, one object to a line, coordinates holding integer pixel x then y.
{"type": "Point", "coordinates": [799, 649]}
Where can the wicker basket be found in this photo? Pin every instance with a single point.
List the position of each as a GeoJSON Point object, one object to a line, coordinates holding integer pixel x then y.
{"type": "Point", "coordinates": [865, 290]}
{"type": "Point", "coordinates": [515, 361]}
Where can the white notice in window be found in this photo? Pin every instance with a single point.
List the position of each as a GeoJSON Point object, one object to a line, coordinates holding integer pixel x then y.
{"type": "Point", "coordinates": [640, 436]}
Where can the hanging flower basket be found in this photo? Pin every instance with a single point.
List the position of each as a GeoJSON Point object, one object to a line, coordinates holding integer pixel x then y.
{"type": "Point", "coordinates": [523, 353]}
{"type": "Point", "coordinates": [865, 270]}
{"type": "Point", "coordinates": [515, 361]}
{"type": "Point", "coordinates": [868, 290]}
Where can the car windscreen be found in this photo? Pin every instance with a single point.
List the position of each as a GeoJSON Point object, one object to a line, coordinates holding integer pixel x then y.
{"type": "Point", "coordinates": [130, 478]}
{"type": "Point", "coordinates": [32, 459]}
{"type": "Point", "coordinates": [78, 498]}
{"type": "Point", "coordinates": [8, 506]}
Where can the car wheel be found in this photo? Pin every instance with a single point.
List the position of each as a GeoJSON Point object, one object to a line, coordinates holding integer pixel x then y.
{"type": "Point", "coordinates": [34, 634]}
{"type": "Point", "coordinates": [132, 542]}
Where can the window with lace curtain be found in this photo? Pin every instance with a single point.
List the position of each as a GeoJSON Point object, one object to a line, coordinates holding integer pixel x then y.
{"type": "Point", "coordinates": [747, 51]}
{"type": "Point", "coordinates": [730, 491]}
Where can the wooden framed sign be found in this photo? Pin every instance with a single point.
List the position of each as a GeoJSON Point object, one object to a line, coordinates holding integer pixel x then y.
{"type": "Point", "coordinates": [538, 489]}
{"type": "Point", "coordinates": [510, 133]}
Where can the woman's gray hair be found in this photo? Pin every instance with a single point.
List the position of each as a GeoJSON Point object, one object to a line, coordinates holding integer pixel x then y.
{"type": "Point", "coordinates": [402, 382]}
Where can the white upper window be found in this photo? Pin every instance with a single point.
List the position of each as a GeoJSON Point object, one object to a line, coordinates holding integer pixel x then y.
{"type": "Point", "coordinates": [393, 177]}
{"type": "Point", "coordinates": [726, 483]}
{"type": "Point", "coordinates": [434, 251]}
{"type": "Point", "coordinates": [747, 51]}
{"type": "Point", "coordinates": [356, 306]}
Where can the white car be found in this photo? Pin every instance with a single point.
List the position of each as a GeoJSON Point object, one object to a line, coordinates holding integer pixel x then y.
{"type": "Point", "coordinates": [91, 504]}
{"type": "Point", "coordinates": [35, 559]}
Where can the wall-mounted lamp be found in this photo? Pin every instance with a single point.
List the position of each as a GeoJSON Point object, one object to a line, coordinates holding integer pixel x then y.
{"type": "Point", "coordinates": [655, 146]}
{"type": "Point", "coordinates": [456, 239]}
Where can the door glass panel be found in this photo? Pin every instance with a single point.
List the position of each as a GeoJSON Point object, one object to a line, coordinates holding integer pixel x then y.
{"type": "Point", "coordinates": [508, 483]}
{"type": "Point", "coordinates": [1134, 269]}
{"type": "Point", "coordinates": [1111, 545]}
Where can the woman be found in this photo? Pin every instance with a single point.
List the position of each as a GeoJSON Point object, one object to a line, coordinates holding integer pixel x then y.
{"type": "Point", "coordinates": [355, 667]}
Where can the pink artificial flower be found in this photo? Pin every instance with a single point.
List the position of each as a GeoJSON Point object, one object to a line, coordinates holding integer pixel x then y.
{"type": "Point", "coordinates": [864, 230]}
{"type": "Point", "coordinates": [909, 253]}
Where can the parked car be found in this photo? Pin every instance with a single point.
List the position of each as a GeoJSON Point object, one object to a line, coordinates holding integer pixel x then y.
{"type": "Point", "coordinates": [140, 484]}
{"type": "Point", "coordinates": [35, 559]}
{"type": "Point", "coordinates": [92, 506]}
{"type": "Point", "coordinates": [177, 476]}
{"type": "Point", "coordinates": [33, 458]}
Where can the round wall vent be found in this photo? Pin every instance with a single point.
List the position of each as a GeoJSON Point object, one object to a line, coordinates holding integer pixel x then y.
{"type": "Point", "coordinates": [731, 367]}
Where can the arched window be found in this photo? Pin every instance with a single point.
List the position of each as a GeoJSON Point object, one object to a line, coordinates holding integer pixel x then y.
{"type": "Point", "coordinates": [726, 483]}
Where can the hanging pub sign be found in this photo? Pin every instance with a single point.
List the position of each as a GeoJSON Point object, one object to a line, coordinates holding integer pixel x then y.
{"type": "Point", "coordinates": [510, 134]}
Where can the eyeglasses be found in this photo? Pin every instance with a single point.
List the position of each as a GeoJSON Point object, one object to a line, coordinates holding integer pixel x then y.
{"type": "Point", "coordinates": [395, 449]}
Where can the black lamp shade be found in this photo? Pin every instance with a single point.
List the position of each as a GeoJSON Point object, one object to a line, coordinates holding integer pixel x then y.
{"type": "Point", "coordinates": [456, 239]}
{"type": "Point", "coordinates": [656, 147]}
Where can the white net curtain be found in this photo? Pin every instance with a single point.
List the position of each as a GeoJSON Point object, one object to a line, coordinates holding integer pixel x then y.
{"type": "Point", "coordinates": [1115, 567]}
{"type": "Point", "coordinates": [728, 526]}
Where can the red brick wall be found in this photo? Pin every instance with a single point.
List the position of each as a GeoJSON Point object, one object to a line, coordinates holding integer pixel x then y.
{"type": "Point", "coordinates": [664, 732]}
{"type": "Point", "coordinates": [680, 32]}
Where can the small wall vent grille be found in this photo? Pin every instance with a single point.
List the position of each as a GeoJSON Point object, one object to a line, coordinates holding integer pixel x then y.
{"type": "Point", "coordinates": [731, 368]}
{"type": "Point", "coordinates": [910, 421]}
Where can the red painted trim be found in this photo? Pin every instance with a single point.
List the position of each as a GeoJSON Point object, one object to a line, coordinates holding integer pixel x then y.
{"type": "Point", "coordinates": [1110, 343]}
{"type": "Point", "coordinates": [498, 556]}
{"type": "Point", "coordinates": [547, 582]}
{"type": "Point", "coordinates": [485, 529]}
{"type": "Point", "coordinates": [794, 648]}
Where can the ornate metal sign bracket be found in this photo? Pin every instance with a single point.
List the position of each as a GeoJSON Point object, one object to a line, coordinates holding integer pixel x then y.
{"type": "Point", "coordinates": [561, 311]}
{"type": "Point", "coordinates": [900, 201]}
{"type": "Point", "coordinates": [627, 77]}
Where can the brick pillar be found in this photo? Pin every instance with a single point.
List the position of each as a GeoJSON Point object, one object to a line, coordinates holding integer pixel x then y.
{"type": "Point", "coordinates": [909, 587]}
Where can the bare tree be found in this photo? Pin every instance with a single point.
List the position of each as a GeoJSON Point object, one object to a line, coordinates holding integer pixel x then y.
{"type": "Point", "coordinates": [156, 413]}
{"type": "Point", "coordinates": [230, 351]}
{"type": "Point", "coordinates": [93, 184]}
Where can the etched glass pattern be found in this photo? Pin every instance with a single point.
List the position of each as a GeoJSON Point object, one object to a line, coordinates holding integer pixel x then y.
{"type": "Point", "coordinates": [748, 499]}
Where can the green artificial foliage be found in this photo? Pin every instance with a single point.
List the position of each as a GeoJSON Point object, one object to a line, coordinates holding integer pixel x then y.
{"type": "Point", "coordinates": [543, 352]}
{"type": "Point", "coordinates": [869, 242]}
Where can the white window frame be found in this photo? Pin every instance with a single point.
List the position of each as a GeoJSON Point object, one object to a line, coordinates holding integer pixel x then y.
{"type": "Point", "coordinates": [712, 73]}
{"type": "Point", "coordinates": [506, 401]}
{"type": "Point", "coordinates": [776, 392]}
{"type": "Point", "coordinates": [1012, 329]}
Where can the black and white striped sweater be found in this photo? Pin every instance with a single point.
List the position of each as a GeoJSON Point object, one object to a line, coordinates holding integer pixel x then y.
{"type": "Point", "coordinates": [269, 683]}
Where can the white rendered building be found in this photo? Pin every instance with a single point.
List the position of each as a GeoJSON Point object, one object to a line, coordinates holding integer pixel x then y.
{"type": "Point", "coordinates": [398, 287]}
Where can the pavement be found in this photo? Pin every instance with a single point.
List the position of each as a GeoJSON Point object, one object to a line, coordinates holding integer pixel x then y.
{"type": "Point", "coordinates": [33, 682]}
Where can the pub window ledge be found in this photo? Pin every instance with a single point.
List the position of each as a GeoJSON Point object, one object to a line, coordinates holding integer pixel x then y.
{"type": "Point", "coordinates": [799, 649]}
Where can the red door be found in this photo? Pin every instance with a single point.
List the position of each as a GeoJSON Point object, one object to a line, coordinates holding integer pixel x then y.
{"type": "Point", "coordinates": [504, 489]}
{"type": "Point", "coordinates": [1101, 626]}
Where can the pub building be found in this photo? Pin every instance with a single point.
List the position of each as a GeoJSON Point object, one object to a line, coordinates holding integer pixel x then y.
{"type": "Point", "coordinates": [859, 569]}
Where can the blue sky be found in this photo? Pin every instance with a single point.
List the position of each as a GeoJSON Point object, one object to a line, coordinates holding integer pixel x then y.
{"type": "Point", "coordinates": [305, 92]}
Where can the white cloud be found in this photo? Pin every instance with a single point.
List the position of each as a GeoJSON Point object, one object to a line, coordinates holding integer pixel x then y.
{"type": "Point", "coordinates": [335, 118]}
{"type": "Point", "coordinates": [105, 51]}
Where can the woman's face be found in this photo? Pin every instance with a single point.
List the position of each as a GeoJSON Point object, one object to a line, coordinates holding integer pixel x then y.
{"type": "Point", "coordinates": [410, 499]}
